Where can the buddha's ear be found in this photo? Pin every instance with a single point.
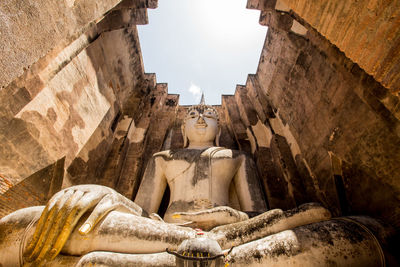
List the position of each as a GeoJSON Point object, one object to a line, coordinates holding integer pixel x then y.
{"type": "Point", "coordinates": [185, 139]}
{"type": "Point", "coordinates": [217, 137]}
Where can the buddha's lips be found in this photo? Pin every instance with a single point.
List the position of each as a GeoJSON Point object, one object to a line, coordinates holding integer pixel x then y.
{"type": "Point", "coordinates": [201, 125]}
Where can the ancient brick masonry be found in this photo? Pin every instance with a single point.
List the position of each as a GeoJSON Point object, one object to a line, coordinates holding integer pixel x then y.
{"type": "Point", "coordinates": [330, 110]}
{"type": "Point", "coordinates": [367, 32]}
{"type": "Point", "coordinates": [34, 190]}
{"type": "Point", "coordinates": [66, 85]}
{"type": "Point", "coordinates": [158, 119]}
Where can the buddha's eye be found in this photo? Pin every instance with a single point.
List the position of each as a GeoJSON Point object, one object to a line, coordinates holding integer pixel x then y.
{"type": "Point", "coordinates": [192, 114]}
{"type": "Point", "coordinates": [209, 114]}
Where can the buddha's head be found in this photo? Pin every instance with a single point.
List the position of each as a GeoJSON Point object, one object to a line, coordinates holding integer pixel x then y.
{"type": "Point", "coordinates": [201, 127]}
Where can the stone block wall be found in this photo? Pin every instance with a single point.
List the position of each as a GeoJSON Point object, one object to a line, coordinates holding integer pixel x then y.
{"type": "Point", "coordinates": [368, 32]}
{"type": "Point", "coordinates": [32, 30]}
{"type": "Point", "coordinates": [66, 84]}
{"type": "Point", "coordinates": [35, 190]}
{"type": "Point", "coordinates": [337, 120]}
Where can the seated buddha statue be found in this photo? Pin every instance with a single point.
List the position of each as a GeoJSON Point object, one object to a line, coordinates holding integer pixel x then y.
{"type": "Point", "coordinates": [212, 188]}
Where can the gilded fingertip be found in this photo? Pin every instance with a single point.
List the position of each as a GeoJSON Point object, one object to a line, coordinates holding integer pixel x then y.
{"type": "Point", "coordinates": [176, 216]}
{"type": "Point", "coordinates": [85, 228]}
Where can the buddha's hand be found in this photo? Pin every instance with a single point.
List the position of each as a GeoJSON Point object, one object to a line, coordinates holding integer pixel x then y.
{"type": "Point", "coordinates": [63, 212]}
{"type": "Point", "coordinates": [210, 218]}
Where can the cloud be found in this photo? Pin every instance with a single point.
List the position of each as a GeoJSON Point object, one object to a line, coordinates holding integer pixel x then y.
{"type": "Point", "coordinates": [195, 91]}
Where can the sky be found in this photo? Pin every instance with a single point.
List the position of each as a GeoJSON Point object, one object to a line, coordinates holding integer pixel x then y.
{"type": "Point", "coordinates": [200, 46]}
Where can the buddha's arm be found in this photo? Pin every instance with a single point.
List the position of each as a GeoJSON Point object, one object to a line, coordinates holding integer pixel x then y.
{"type": "Point", "coordinates": [210, 218]}
{"type": "Point", "coordinates": [152, 187]}
{"type": "Point", "coordinates": [117, 232]}
{"type": "Point", "coordinates": [248, 187]}
{"type": "Point", "coordinates": [128, 233]}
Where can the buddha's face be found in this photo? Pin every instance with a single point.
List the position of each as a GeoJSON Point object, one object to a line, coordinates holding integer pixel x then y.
{"type": "Point", "coordinates": [201, 127]}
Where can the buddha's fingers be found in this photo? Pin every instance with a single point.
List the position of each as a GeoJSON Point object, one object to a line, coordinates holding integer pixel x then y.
{"type": "Point", "coordinates": [221, 214]}
{"type": "Point", "coordinates": [58, 225]}
{"type": "Point", "coordinates": [32, 243]}
{"type": "Point", "coordinates": [108, 203]}
{"type": "Point", "coordinates": [54, 205]}
{"type": "Point", "coordinates": [231, 215]}
{"type": "Point", "coordinates": [39, 227]}
{"type": "Point", "coordinates": [131, 206]}
{"type": "Point", "coordinates": [87, 202]}
{"type": "Point", "coordinates": [156, 217]}
{"type": "Point", "coordinates": [198, 216]}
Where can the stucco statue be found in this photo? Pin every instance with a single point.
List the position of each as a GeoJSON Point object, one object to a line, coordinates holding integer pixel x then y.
{"type": "Point", "coordinates": [212, 188]}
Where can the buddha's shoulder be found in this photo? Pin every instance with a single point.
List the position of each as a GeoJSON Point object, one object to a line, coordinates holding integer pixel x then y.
{"type": "Point", "coordinates": [188, 155]}
{"type": "Point", "coordinates": [176, 154]}
{"type": "Point", "coordinates": [193, 154]}
{"type": "Point", "coordinates": [223, 152]}
{"type": "Point", "coordinates": [162, 154]}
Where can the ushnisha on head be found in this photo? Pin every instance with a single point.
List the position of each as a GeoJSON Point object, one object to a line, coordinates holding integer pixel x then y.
{"type": "Point", "coordinates": [201, 126]}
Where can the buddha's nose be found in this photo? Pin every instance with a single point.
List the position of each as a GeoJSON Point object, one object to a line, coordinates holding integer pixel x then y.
{"type": "Point", "coordinates": [201, 119]}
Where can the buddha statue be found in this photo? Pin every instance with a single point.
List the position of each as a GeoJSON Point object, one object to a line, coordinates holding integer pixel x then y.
{"type": "Point", "coordinates": [92, 225]}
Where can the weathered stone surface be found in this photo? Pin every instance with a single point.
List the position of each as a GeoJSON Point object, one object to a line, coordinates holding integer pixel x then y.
{"type": "Point", "coordinates": [146, 138]}
{"type": "Point", "coordinates": [128, 179]}
{"type": "Point", "coordinates": [79, 101]}
{"type": "Point", "coordinates": [274, 187]}
{"type": "Point", "coordinates": [235, 123]}
{"type": "Point", "coordinates": [367, 32]}
{"type": "Point", "coordinates": [163, 108]}
{"type": "Point", "coordinates": [115, 158]}
{"type": "Point", "coordinates": [286, 170]}
{"type": "Point", "coordinates": [310, 182]}
{"type": "Point", "coordinates": [36, 189]}
{"type": "Point", "coordinates": [247, 113]}
{"type": "Point", "coordinates": [356, 181]}
{"type": "Point", "coordinates": [227, 138]}
{"type": "Point", "coordinates": [122, 18]}
{"type": "Point", "coordinates": [335, 242]}
{"type": "Point", "coordinates": [29, 30]}
{"type": "Point", "coordinates": [174, 139]}
{"type": "Point", "coordinates": [258, 100]}
{"type": "Point", "coordinates": [86, 167]}
{"type": "Point", "coordinates": [276, 20]}
{"type": "Point", "coordinates": [329, 106]}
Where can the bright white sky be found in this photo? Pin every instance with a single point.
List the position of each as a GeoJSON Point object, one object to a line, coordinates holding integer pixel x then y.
{"type": "Point", "coordinates": [202, 46]}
